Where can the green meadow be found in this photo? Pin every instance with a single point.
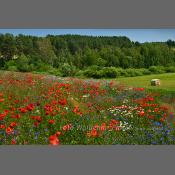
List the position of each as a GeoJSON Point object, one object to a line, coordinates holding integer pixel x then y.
{"type": "Point", "coordinates": [166, 88]}
{"type": "Point", "coordinates": [167, 81]}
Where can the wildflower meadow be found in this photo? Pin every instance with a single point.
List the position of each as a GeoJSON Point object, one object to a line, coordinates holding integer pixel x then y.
{"type": "Point", "coordinates": [42, 110]}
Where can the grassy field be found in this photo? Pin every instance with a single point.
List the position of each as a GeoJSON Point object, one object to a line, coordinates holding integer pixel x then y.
{"type": "Point", "coordinates": [166, 89]}
{"type": "Point", "coordinates": [167, 81]}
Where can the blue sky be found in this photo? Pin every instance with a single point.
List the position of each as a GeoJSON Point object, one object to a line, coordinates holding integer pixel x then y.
{"type": "Point", "coordinates": [141, 35]}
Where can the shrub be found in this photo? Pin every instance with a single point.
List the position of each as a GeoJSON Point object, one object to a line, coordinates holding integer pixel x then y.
{"type": "Point", "coordinates": [145, 71]}
{"type": "Point", "coordinates": [131, 72]}
{"type": "Point", "coordinates": [10, 65]}
{"type": "Point", "coordinates": [124, 73]}
{"type": "Point", "coordinates": [68, 70]}
{"type": "Point", "coordinates": [23, 64]}
{"type": "Point", "coordinates": [41, 67]}
{"type": "Point", "coordinates": [90, 73]}
{"type": "Point", "coordinates": [138, 72]}
{"type": "Point", "coordinates": [153, 69]}
{"type": "Point", "coordinates": [170, 69]}
{"type": "Point", "coordinates": [157, 69]}
{"type": "Point", "coordinates": [79, 73]}
{"type": "Point", "coordinates": [32, 67]}
{"type": "Point", "coordinates": [12, 68]}
{"type": "Point", "coordinates": [120, 71]}
{"type": "Point", "coordinates": [110, 72]}
{"type": "Point", "coordinates": [54, 71]}
{"type": "Point", "coordinates": [99, 74]}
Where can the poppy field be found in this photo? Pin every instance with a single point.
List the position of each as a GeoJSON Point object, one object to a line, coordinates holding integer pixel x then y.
{"type": "Point", "coordinates": [46, 110]}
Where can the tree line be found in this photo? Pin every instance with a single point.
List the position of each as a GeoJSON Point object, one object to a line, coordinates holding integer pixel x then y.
{"type": "Point", "coordinates": [73, 53]}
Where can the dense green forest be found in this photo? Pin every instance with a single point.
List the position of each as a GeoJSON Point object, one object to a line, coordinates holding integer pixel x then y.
{"type": "Point", "coordinates": [69, 55]}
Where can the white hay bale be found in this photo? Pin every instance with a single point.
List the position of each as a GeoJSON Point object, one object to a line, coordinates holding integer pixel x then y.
{"type": "Point", "coordinates": [155, 82]}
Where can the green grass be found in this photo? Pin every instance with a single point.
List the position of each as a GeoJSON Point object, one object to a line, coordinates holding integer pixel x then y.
{"type": "Point", "coordinates": [167, 81]}
{"type": "Point", "coordinates": [166, 89]}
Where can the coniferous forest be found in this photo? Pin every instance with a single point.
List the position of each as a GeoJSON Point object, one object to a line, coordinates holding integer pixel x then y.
{"type": "Point", "coordinates": [76, 55]}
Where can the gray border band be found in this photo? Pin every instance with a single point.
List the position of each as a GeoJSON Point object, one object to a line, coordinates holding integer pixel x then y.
{"type": "Point", "coordinates": [87, 160]}
{"type": "Point", "coordinates": [87, 14]}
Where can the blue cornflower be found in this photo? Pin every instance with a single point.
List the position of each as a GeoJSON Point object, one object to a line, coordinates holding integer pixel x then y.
{"type": "Point", "coordinates": [161, 139]}
{"type": "Point", "coordinates": [154, 143]}
{"type": "Point", "coordinates": [157, 123]}
{"type": "Point", "coordinates": [171, 116]}
{"type": "Point", "coordinates": [149, 135]}
{"type": "Point", "coordinates": [36, 135]}
{"type": "Point", "coordinates": [15, 132]}
{"type": "Point", "coordinates": [167, 131]}
{"type": "Point", "coordinates": [173, 138]}
{"type": "Point", "coordinates": [164, 143]}
{"type": "Point", "coordinates": [45, 129]}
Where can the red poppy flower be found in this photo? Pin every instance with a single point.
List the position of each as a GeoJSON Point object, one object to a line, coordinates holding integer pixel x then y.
{"type": "Point", "coordinates": [13, 142]}
{"type": "Point", "coordinates": [139, 89]}
{"type": "Point", "coordinates": [30, 107]}
{"type": "Point", "coordinates": [53, 140]}
{"type": "Point", "coordinates": [141, 113]}
{"type": "Point", "coordinates": [62, 102]}
{"type": "Point", "coordinates": [164, 115]}
{"type": "Point", "coordinates": [95, 126]}
{"type": "Point", "coordinates": [148, 111]}
{"type": "Point", "coordinates": [16, 101]}
{"type": "Point", "coordinates": [2, 99]}
{"type": "Point", "coordinates": [150, 117]}
{"type": "Point", "coordinates": [103, 127]}
{"type": "Point", "coordinates": [47, 113]}
{"type": "Point", "coordinates": [114, 122]}
{"type": "Point", "coordinates": [151, 99]}
{"type": "Point", "coordinates": [22, 110]}
{"type": "Point", "coordinates": [38, 118]}
{"type": "Point", "coordinates": [6, 111]}
{"type": "Point", "coordinates": [89, 104]}
{"type": "Point", "coordinates": [36, 124]}
{"type": "Point", "coordinates": [161, 119]}
{"type": "Point", "coordinates": [12, 124]}
{"type": "Point", "coordinates": [111, 83]}
{"type": "Point", "coordinates": [156, 109]}
{"type": "Point", "coordinates": [51, 121]}
{"type": "Point", "coordinates": [8, 130]}
{"type": "Point", "coordinates": [94, 133]}
{"type": "Point", "coordinates": [75, 110]}
{"type": "Point", "coordinates": [2, 115]}
{"type": "Point", "coordinates": [2, 126]}
{"type": "Point", "coordinates": [12, 108]}
{"type": "Point", "coordinates": [66, 127]}
{"type": "Point", "coordinates": [58, 133]}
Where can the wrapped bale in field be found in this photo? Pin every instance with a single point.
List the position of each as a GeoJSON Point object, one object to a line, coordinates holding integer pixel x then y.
{"type": "Point", "coordinates": [155, 82]}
